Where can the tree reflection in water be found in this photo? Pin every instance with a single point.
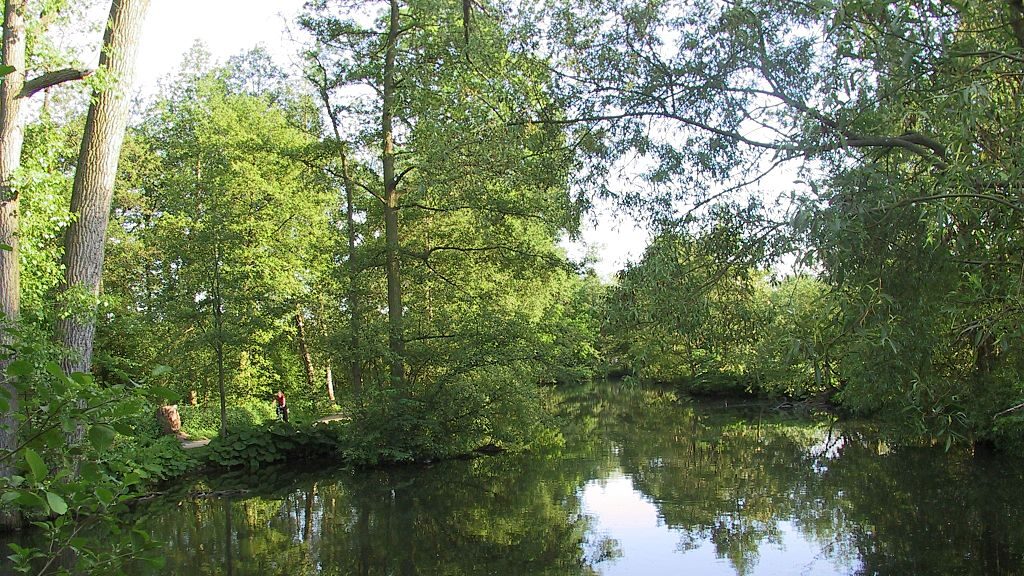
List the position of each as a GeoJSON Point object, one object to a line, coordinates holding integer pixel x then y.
{"type": "Point", "coordinates": [733, 491]}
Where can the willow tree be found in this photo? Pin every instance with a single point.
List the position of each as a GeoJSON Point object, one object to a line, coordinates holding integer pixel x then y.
{"type": "Point", "coordinates": [900, 121]}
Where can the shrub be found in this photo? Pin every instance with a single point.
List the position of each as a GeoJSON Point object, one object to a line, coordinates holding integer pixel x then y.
{"type": "Point", "coordinates": [256, 446]}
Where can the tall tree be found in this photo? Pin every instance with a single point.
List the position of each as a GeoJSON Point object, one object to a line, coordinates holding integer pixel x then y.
{"type": "Point", "coordinates": [437, 100]}
{"type": "Point", "coordinates": [392, 266]}
{"type": "Point", "coordinates": [901, 120]}
{"type": "Point", "coordinates": [221, 238]}
{"type": "Point", "coordinates": [324, 83]}
{"type": "Point", "coordinates": [85, 239]}
{"type": "Point", "coordinates": [467, 204]}
{"type": "Point", "coordinates": [15, 88]}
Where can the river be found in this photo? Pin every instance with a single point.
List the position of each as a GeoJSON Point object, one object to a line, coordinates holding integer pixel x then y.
{"type": "Point", "coordinates": [645, 484]}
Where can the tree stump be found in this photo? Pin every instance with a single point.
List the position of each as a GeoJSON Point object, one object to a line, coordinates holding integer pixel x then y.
{"type": "Point", "coordinates": [169, 419]}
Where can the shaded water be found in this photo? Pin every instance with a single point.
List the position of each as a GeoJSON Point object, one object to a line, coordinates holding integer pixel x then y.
{"type": "Point", "coordinates": [645, 485]}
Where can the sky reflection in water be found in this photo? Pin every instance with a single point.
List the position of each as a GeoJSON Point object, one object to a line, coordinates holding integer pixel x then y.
{"type": "Point", "coordinates": [645, 484]}
{"type": "Point", "coordinates": [649, 546]}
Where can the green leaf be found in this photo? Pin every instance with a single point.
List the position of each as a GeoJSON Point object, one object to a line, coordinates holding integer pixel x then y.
{"type": "Point", "coordinates": [55, 370]}
{"type": "Point", "coordinates": [57, 504]}
{"type": "Point", "coordinates": [90, 472]}
{"type": "Point", "coordinates": [26, 498]}
{"type": "Point", "coordinates": [105, 495]}
{"type": "Point", "coordinates": [20, 368]}
{"type": "Point", "coordinates": [35, 464]}
{"type": "Point", "coordinates": [165, 393]}
{"type": "Point", "coordinates": [83, 378]}
{"type": "Point", "coordinates": [4, 71]}
{"type": "Point", "coordinates": [159, 370]}
{"type": "Point", "coordinates": [101, 436]}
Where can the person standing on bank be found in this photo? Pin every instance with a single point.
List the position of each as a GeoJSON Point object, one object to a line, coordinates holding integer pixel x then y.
{"type": "Point", "coordinates": [282, 406]}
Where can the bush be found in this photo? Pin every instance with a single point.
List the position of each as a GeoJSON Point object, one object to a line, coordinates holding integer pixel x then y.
{"type": "Point", "coordinates": [276, 441]}
{"type": "Point", "coordinates": [151, 459]}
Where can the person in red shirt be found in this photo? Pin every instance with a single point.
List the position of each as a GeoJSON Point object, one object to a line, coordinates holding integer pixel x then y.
{"type": "Point", "coordinates": [282, 405]}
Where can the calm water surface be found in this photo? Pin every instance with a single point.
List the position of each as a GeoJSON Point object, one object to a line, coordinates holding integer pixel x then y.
{"type": "Point", "coordinates": [645, 485]}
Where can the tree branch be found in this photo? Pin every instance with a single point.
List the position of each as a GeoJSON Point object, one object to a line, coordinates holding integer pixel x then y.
{"type": "Point", "coordinates": [976, 196]}
{"type": "Point", "coordinates": [54, 78]}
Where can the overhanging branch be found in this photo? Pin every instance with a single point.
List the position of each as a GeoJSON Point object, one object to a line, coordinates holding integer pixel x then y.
{"type": "Point", "coordinates": [54, 78]}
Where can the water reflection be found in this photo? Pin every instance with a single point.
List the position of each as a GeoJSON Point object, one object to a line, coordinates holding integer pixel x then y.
{"type": "Point", "coordinates": [644, 484]}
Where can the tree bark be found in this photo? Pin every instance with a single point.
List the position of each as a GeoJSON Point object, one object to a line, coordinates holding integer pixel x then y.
{"type": "Point", "coordinates": [218, 343]}
{"type": "Point", "coordinates": [85, 241]}
{"type": "Point", "coordinates": [11, 139]}
{"type": "Point", "coordinates": [330, 383]}
{"type": "Point", "coordinates": [396, 342]}
{"type": "Point", "coordinates": [307, 359]}
{"type": "Point", "coordinates": [354, 301]}
{"type": "Point", "coordinates": [13, 90]}
{"type": "Point", "coordinates": [1016, 8]}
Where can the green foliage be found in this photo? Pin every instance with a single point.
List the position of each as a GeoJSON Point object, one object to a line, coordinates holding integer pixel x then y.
{"type": "Point", "coordinates": [681, 315]}
{"type": "Point", "coordinates": [489, 303]}
{"type": "Point", "coordinates": [70, 479]}
{"type": "Point", "coordinates": [203, 421]}
{"type": "Point", "coordinates": [220, 221]}
{"type": "Point", "coordinates": [152, 459]}
{"type": "Point", "coordinates": [904, 118]}
{"type": "Point", "coordinates": [44, 181]}
{"type": "Point", "coordinates": [256, 446]}
{"type": "Point", "coordinates": [925, 248]}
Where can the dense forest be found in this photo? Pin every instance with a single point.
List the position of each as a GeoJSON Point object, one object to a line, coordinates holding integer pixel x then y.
{"type": "Point", "coordinates": [832, 188]}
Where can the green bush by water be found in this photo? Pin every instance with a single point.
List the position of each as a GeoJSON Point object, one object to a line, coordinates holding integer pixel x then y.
{"type": "Point", "coordinates": [276, 441]}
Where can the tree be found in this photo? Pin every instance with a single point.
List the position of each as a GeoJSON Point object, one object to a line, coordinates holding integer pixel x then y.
{"type": "Point", "coordinates": [465, 207]}
{"type": "Point", "coordinates": [900, 120]}
{"type": "Point", "coordinates": [221, 234]}
{"type": "Point", "coordinates": [324, 84]}
{"type": "Point", "coordinates": [85, 239]}
{"type": "Point", "coordinates": [15, 87]}
{"type": "Point", "coordinates": [685, 313]}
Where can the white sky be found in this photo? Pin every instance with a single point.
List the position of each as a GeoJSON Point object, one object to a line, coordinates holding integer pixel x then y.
{"type": "Point", "coordinates": [228, 27]}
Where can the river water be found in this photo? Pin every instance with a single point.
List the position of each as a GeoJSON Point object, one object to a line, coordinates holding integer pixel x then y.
{"type": "Point", "coordinates": [645, 484]}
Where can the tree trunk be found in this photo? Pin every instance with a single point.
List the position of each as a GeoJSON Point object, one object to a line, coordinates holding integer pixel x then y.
{"type": "Point", "coordinates": [396, 341]}
{"type": "Point", "coordinates": [85, 241]}
{"type": "Point", "coordinates": [170, 420]}
{"type": "Point", "coordinates": [354, 303]}
{"type": "Point", "coordinates": [355, 310]}
{"type": "Point", "coordinates": [1016, 8]}
{"type": "Point", "coordinates": [218, 344]}
{"type": "Point", "coordinates": [14, 88]}
{"type": "Point", "coordinates": [12, 132]}
{"type": "Point", "coordinates": [307, 359]}
{"type": "Point", "coordinates": [330, 383]}
{"type": "Point", "coordinates": [11, 138]}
